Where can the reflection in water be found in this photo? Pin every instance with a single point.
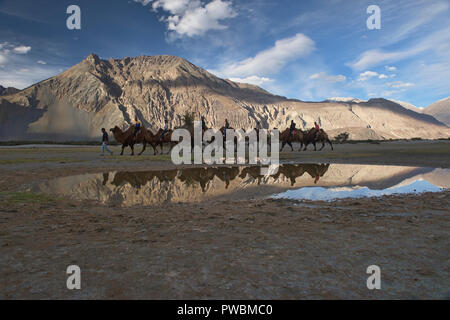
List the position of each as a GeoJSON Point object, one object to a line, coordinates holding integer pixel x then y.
{"type": "Point", "coordinates": [233, 182]}
{"type": "Point", "coordinates": [327, 194]}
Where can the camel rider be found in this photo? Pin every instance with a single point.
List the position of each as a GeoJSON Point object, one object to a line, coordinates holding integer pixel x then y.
{"type": "Point", "coordinates": [316, 126]}
{"type": "Point", "coordinates": [137, 127]}
{"type": "Point", "coordinates": [166, 128]}
{"type": "Point", "coordinates": [292, 127]}
{"type": "Point", "coordinates": [203, 123]}
{"type": "Point", "coordinates": [227, 126]}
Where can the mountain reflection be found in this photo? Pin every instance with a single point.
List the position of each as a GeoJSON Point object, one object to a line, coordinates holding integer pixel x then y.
{"type": "Point", "coordinates": [203, 176]}
{"type": "Point", "coordinates": [229, 182]}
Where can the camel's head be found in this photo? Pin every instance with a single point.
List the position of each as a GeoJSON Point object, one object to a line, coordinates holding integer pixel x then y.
{"type": "Point", "coordinates": [114, 130]}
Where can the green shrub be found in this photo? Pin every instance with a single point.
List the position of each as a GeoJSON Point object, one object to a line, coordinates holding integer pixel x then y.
{"type": "Point", "coordinates": [342, 137]}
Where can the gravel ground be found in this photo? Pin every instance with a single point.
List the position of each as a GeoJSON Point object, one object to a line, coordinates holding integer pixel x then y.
{"type": "Point", "coordinates": [258, 249]}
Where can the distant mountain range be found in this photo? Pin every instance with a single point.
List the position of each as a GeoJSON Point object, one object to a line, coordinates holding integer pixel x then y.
{"type": "Point", "coordinates": [440, 110]}
{"type": "Point", "coordinates": [98, 93]}
{"type": "Point", "coordinates": [7, 91]}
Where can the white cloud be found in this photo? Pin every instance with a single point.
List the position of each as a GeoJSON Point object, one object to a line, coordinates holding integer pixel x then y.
{"type": "Point", "coordinates": [21, 78]}
{"type": "Point", "coordinates": [7, 50]}
{"type": "Point", "coordinates": [255, 80]}
{"type": "Point", "coordinates": [271, 60]}
{"type": "Point", "coordinates": [388, 93]}
{"type": "Point", "coordinates": [375, 57]}
{"type": "Point", "coordinates": [427, 14]}
{"type": "Point", "coordinates": [367, 75]}
{"type": "Point", "coordinates": [21, 71]}
{"type": "Point", "coordinates": [329, 78]}
{"type": "Point", "coordinates": [390, 68]}
{"type": "Point", "coordinates": [193, 18]}
{"type": "Point", "coordinates": [400, 84]}
{"type": "Point", "coordinates": [143, 2]}
{"type": "Point", "coordinates": [382, 76]}
{"type": "Point", "coordinates": [22, 49]}
{"type": "Point", "coordinates": [319, 75]}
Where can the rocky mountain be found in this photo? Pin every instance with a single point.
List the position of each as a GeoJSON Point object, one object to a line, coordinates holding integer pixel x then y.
{"type": "Point", "coordinates": [7, 91]}
{"type": "Point", "coordinates": [408, 105]}
{"type": "Point", "coordinates": [98, 93]}
{"type": "Point", "coordinates": [440, 110]}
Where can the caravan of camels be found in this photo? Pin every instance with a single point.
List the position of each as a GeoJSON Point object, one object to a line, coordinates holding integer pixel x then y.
{"type": "Point", "coordinates": [138, 134]}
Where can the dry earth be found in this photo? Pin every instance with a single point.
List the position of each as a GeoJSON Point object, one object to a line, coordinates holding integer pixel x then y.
{"type": "Point", "coordinates": [259, 249]}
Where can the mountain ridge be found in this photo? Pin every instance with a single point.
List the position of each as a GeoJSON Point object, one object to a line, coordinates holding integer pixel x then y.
{"type": "Point", "coordinates": [8, 90]}
{"type": "Point", "coordinates": [440, 110]}
{"type": "Point", "coordinates": [98, 93]}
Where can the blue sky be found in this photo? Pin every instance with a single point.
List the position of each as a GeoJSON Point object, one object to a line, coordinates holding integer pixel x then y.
{"type": "Point", "coordinates": [309, 50]}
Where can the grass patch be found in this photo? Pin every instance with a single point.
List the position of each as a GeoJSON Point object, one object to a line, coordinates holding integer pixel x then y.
{"type": "Point", "coordinates": [360, 141]}
{"type": "Point", "coordinates": [26, 197]}
{"type": "Point", "coordinates": [32, 160]}
{"type": "Point", "coordinates": [49, 150]}
{"type": "Point", "coordinates": [68, 143]}
{"type": "Point", "coordinates": [164, 157]}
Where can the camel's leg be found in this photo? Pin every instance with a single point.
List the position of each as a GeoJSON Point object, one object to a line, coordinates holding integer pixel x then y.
{"type": "Point", "coordinates": [144, 146]}
{"type": "Point", "coordinates": [123, 148]}
{"type": "Point", "coordinates": [331, 145]}
{"type": "Point", "coordinates": [292, 147]}
{"type": "Point", "coordinates": [301, 146]}
{"type": "Point", "coordinates": [323, 145]}
{"type": "Point", "coordinates": [172, 144]}
{"type": "Point", "coordinates": [132, 149]}
{"type": "Point", "coordinates": [282, 145]}
{"type": "Point", "coordinates": [315, 147]}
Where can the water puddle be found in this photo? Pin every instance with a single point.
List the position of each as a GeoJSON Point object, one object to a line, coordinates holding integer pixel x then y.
{"type": "Point", "coordinates": [328, 194]}
{"type": "Point", "coordinates": [292, 181]}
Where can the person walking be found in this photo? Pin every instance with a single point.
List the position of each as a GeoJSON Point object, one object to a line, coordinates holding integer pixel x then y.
{"type": "Point", "coordinates": [105, 140]}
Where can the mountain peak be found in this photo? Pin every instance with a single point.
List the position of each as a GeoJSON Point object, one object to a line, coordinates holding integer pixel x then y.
{"type": "Point", "coordinates": [93, 58]}
{"type": "Point", "coordinates": [440, 110]}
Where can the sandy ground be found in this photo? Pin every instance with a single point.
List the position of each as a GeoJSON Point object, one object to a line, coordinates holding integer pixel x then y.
{"type": "Point", "coordinates": [259, 249]}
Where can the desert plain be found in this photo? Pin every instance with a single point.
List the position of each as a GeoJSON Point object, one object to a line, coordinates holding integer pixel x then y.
{"type": "Point", "coordinates": [248, 246]}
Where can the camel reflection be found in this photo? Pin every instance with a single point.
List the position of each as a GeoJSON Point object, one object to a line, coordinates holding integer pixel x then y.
{"type": "Point", "coordinates": [139, 178]}
{"type": "Point", "coordinates": [226, 174]}
{"type": "Point", "coordinates": [290, 171]}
